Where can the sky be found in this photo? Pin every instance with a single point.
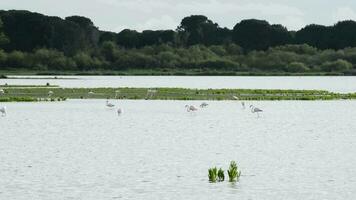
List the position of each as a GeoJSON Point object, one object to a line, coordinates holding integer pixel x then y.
{"type": "Point", "coordinates": [116, 15]}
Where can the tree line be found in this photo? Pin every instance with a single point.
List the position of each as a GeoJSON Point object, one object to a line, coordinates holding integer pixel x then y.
{"type": "Point", "coordinates": [34, 41]}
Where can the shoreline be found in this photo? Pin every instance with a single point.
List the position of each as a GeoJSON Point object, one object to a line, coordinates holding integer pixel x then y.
{"type": "Point", "coordinates": [5, 74]}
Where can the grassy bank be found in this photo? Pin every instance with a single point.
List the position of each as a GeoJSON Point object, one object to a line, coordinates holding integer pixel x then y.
{"type": "Point", "coordinates": [43, 93]}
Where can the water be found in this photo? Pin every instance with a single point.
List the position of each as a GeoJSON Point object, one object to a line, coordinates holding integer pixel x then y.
{"type": "Point", "coordinates": [331, 83]}
{"type": "Point", "coordinates": [81, 150]}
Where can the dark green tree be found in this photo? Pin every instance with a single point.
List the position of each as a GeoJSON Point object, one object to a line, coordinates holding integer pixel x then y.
{"type": "Point", "coordinates": [256, 34]}
{"type": "Point", "coordinates": [3, 38]}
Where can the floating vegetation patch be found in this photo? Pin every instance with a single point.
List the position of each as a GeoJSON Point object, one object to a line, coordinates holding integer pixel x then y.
{"type": "Point", "coordinates": [171, 93]}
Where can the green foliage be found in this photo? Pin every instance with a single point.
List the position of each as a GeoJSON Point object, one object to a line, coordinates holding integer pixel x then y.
{"type": "Point", "coordinates": [233, 172]}
{"type": "Point", "coordinates": [338, 66]}
{"type": "Point", "coordinates": [213, 174]}
{"type": "Point", "coordinates": [221, 175]}
{"type": "Point", "coordinates": [3, 38]}
{"type": "Point", "coordinates": [198, 46]}
{"type": "Point", "coordinates": [297, 67]}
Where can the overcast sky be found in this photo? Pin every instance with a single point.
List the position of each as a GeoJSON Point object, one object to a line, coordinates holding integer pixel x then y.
{"type": "Point", "coordinates": [115, 15]}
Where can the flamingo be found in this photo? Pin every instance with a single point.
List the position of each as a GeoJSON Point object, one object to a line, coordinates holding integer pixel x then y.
{"type": "Point", "coordinates": [235, 97]}
{"type": "Point", "coordinates": [255, 110]}
{"type": "Point", "coordinates": [108, 104]}
{"type": "Point", "coordinates": [50, 93]}
{"type": "Point", "coordinates": [203, 105]}
{"type": "Point", "coordinates": [191, 108]}
{"type": "Point", "coordinates": [3, 111]}
{"type": "Point", "coordinates": [119, 111]}
{"type": "Point", "coordinates": [117, 92]}
{"type": "Point", "coordinates": [243, 105]}
{"type": "Point", "coordinates": [150, 93]}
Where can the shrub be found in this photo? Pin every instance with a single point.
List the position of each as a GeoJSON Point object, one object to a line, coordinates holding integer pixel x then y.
{"type": "Point", "coordinates": [297, 67]}
{"type": "Point", "coordinates": [339, 65]}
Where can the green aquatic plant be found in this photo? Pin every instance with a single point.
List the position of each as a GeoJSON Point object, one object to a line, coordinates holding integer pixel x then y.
{"type": "Point", "coordinates": [233, 172]}
{"type": "Point", "coordinates": [213, 173]}
{"type": "Point", "coordinates": [221, 175]}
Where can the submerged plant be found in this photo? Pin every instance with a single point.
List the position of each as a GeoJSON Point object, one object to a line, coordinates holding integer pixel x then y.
{"type": "Point", "coordinates": [233, 172]}
{"type": "Point", "coordinates": [221, 175]}
{"type": "Point", "coordinates": [213, 173]}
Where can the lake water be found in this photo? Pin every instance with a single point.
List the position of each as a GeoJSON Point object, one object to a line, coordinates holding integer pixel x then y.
{"type": "Point", "coordinates": [330, 83]}
{"type": "Point", "coordinates": [81, 150]}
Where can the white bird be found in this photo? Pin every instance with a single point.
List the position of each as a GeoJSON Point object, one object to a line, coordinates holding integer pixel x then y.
{"type": "Point", "coordinates": [203, 105]}
{"type": "Point", "coordinates": [255, 110]}
{"type": "Point", "coordinates": [117, 92]}
{"type": "Point", "coordinates": [50, 93]}
{"type": "Point", "coordinates": [243, 105]}
{"type": "Point", "coordinates": [235, 97]}
{"type": "Point", "coordinates": [150, 93]}
{"type": "Point", "coordinates": [3, 111]}
{"type": "Point", "coordinates": [119, 111]}
{"type": "Point", "coordinates": [91, 93]}
{"type": "Point", "coordinates": [191, 108]}
{"type": "Point", "coordinates": [2, 91]}
{"type": "Point", "coordinates": [108, 104]}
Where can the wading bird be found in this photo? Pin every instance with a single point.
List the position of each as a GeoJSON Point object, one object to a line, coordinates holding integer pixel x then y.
{"type": "Point", "coordinates": [235, 97]}
{"type": "Point", "coordinates": [243, 105]}
{"type": "Point", "coordinates": [191, 108]}
{"type": "Point", "coordinates": [119, 111]}
{"type": "Point", "coordinates": [150, 93]}
{"type": "Point", "coordinates": [108, 104]}
{"type": "Point", "coordinates": [203, 105]}
{"type": "Point", "coordinates": [255, 110]}
{"type": "Point", "coordinates": [117, 93]}
{"type": "Point", "coordinates": [3, 111]}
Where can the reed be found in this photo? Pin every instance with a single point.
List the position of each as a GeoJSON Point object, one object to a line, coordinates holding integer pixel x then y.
{"type": "Point", "coordinates": [233, 172]}
{"type": "Point", "coordinates": [213, 174]}
{"type": "Point", "coordinates": [221, 175]}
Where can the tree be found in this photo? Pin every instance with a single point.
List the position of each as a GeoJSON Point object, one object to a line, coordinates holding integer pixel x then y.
{"type": "Point", "coordinates": [314, 35]}
{"type": "Point", "coordinates": [3, 38]}
{"type": "Point", "coordinates": [256, 34]}
{"type": "Point", "coordinates": [198, 29]}
{"type": "Point", "coordinates": [128, 38]}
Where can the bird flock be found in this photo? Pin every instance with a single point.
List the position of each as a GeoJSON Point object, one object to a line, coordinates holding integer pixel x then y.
{"type": "Point", "coordinates": [253, 109]}
{"type": "Point", "coordinates": [150, 94]}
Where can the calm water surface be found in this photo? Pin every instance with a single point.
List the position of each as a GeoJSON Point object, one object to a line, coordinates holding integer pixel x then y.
{"type": "Point", "coordinates": [155, 150]}
{"type": "Point", "coordinates": [330, 83]}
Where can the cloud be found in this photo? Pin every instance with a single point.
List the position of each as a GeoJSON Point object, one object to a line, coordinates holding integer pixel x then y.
{"type": "Point", "coordinates": [294, 23]}
{"type": "Point", "coordinates": [343, 13]}
{"type": "Point", "coordinates": [160, 23]}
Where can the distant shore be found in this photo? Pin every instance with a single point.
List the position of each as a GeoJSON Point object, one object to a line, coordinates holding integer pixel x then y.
{"type": "Point", "coordinates": [6, 73]}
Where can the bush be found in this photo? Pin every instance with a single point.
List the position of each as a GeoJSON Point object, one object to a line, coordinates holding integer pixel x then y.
{"type": "Point", "coordinates": [297, 67]}
{"type": "Point", "coordinates": [336, 66]}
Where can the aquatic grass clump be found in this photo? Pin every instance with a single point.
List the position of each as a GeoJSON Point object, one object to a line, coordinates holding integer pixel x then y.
{"type": "Point", "coordinates": [221, 175]}
{"type": "Point", "coordinates": [233, 172]}
{"type": "Point", "coordinates": [213, 174]}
